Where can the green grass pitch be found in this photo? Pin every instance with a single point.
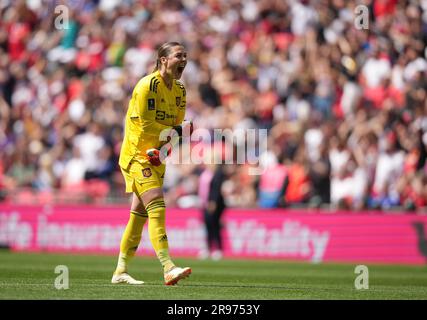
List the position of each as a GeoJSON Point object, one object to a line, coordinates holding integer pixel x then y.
{"type": "Point", "coordinates": [32, 276]}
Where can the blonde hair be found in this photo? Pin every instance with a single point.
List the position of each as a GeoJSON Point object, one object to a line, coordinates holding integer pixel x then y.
{"type": "Point", "coordinates": [164, 51]}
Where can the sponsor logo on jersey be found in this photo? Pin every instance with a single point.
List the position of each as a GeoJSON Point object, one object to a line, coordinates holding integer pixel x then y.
{"type": "Point", "coordinates": [160, 115]}
{"type": "Point", "coordinates": [151, 104]}
{"type": "Point", "coordinates": [146, 172]}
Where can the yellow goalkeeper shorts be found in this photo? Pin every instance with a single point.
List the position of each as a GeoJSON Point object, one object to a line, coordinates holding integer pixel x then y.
{"type": "Point", "coordinates": [143, 177]}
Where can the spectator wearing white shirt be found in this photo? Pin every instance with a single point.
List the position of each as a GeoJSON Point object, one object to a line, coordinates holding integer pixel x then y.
{"type": "Point", "coordinates": [388, 170]}
{"type": "Point", "coordinates": [89, 144]}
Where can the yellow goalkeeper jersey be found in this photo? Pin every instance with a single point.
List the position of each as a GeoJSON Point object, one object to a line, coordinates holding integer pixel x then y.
{"type": "Point", "coordinates": [152, 108]}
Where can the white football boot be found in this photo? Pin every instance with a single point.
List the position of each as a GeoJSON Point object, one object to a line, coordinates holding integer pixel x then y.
{"type": "Point", "coordinates": [124, 278]}
{"type": "Point", "coordinates": [175, 274]}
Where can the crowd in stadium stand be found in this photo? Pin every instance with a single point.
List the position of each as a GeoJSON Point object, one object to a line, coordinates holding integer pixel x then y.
{"type": "Point", "coordinates": [345, 107]}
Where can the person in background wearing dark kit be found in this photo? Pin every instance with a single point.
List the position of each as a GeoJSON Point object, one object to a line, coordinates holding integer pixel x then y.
{"type": "Point", "coordinates": [213, 206]}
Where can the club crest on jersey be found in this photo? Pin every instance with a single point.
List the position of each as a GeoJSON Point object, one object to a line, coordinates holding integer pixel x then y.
{"type": "Point", "coordinates": [146, 172]}
{"type": "Point", "coordinates": [178, 101]}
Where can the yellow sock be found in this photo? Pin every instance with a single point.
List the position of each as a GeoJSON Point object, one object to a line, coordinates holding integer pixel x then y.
{"type": "Point", "coordinates": [156, 226]}
{"type": "Point", "coordinates": [130, 240]}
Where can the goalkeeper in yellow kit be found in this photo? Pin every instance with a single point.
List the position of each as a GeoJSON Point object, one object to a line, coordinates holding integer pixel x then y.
{"type": "Point", "coordinates": [156, 110]}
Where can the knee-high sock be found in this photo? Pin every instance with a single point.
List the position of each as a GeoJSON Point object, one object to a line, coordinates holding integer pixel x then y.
{"type": "Point", "coordinates": [156, 226]}
{"type": "Point", "coordinates": [130, 239]}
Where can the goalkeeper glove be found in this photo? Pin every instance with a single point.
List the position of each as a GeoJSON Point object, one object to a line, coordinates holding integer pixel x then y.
{"type": "Point", "coordinates": [156, 156]}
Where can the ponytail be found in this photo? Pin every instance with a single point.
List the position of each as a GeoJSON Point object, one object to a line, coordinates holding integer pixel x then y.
{"type": "Point", "coordinates": [157, 67]}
